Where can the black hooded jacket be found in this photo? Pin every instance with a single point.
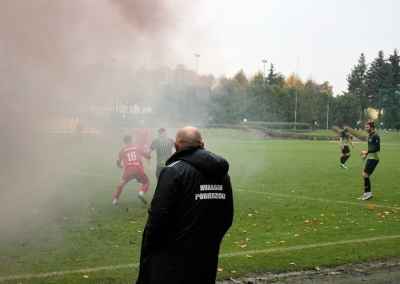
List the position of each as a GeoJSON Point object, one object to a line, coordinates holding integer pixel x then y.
{"type": "Point", "coordinates": [191, 211]}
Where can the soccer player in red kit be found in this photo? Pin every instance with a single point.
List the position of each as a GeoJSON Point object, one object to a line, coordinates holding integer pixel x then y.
{"type": "Point", "coordinates": [143, 139]}
{"type": "Point", "coordinates": [130, 155]}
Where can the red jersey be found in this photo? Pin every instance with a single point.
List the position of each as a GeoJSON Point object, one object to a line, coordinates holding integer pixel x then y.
{"type": "Point", "coordinates": [143, 136]}
{"type": "Point", "coordinates": [131, 157]}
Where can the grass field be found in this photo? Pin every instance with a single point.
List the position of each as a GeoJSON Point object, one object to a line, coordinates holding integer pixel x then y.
{"type": "Point", "coordinates": [295, 209]}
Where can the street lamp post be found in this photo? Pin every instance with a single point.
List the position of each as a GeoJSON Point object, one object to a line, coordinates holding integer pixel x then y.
{"type": "Point", "coordinates": [327, 115]}
{"type": "Point", "coordinates": [197, 66]}
{"type": "Point", "coordinates": [264, 61]}
{"type": "Point", "coordinates": [180, 66]}
{"type": "Point", "coordinates": [295, 107]}
{"type": "Point", "coordinates": [379, 110]}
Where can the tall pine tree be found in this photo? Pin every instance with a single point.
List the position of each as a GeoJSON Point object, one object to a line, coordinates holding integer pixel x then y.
{"type": "Point", "coordinates": [356, 84]}
{"type": "Point", "coordinates": [377, 78]}
{"type": "Point", "coordinates": [391, 97]}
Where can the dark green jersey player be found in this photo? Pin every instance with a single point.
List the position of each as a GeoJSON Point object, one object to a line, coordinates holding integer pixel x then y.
{"type": "Point", "coordinates": [345, 140]}
{"type": "Point", "coordinates": [372, 156]}
{"type": "Point", "coordinates": [163, 146]}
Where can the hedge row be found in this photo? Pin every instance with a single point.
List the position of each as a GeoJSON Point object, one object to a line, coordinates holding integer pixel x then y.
{"type": "Point", "coordinates": [353, 132]}
{"type": "Point", "coordinates": [278, 125]}
{"type": "Point", "coordinates": [276, 133]}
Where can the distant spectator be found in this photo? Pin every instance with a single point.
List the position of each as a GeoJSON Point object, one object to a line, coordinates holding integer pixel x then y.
{"type": "Point", "coordinates": [80, 126]}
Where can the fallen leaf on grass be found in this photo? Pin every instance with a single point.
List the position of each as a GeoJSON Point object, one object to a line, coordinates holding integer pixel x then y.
{"type": "Point", "coordinates": [117, 276]}
{"type": "Point", "coordinates": [232, 271]}
{"type": "Point", "coordinates": [371, 207]}
{"type": "Point", "coordinates": [249, 215]}
{"type": "Point", "coordinates": [317, 268]}
{"type": "Point", "coordinates": [243, 246]}
{"type": "Point", "coordinates": [65, 218]}
{"type": "Point", "coordinates": [220, 269]}
{"type": "Point", "coordinates": [292, 263]}
{"type": "Point", "coordinates": [248, 256]}
{"type": "Point", "coordinates": [248, 239]}
{"type": "Point", "coordinates": [85, 276]}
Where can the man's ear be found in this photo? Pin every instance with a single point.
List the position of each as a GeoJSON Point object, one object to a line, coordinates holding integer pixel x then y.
{"type": "Point", "coordinates": [176, 146]}
{"type": "Point", "coordinates": [202, 144]}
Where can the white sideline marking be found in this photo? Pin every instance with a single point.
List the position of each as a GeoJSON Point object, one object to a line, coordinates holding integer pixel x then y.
{"type": "Point", "coordinates": [58, 273]}
{"type": "Point", "coordinates": [309, 246]}
{"type": "Point", "coordinates": [258, 192]}
{"type": "Point", "coordinates": [226, 255]}
{"type": "Point", "coordinates": [85, 174]}
{"type": "Point", "coordinates": [316, 199]}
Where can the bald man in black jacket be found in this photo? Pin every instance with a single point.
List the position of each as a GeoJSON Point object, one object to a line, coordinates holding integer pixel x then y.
{"type": "Point", "coordinates": [191, 211]}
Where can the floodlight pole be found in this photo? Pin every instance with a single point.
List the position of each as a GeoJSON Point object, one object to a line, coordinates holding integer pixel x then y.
{"type": "Point", "coordinates": [379, 110]}
{"type": "Point", "coordinates": [264, 61]}
{"type": "Point", "coordinates": [197, 66]}
{"type": "Point", "coordinates": [180, 66]}
{"type": "Point", "coordinates": [327, 115]}
{"type": "Point", "coordinates": [295, 108]}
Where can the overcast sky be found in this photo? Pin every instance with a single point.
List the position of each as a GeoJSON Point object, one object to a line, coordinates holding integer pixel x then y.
{"type": "Point", "coordinates": [46, 45]}
{"type": "Point", "coordinates": [326, 36]}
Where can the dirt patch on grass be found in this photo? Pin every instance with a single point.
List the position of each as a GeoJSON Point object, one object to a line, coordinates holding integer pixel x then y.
{"type": "Point", "coordinates": [378, 272]}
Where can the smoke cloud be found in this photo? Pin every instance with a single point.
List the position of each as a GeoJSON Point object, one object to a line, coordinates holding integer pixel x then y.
{"type": "Point", "coordinates": [53, 54]}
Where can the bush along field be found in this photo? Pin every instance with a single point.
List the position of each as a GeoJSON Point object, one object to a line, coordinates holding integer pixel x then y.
{"type": "Point", "coordinates": [295, 209]}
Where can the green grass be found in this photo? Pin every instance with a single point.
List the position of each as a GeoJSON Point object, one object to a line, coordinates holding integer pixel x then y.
{"type": "Point", "coordinates": [390, 136]}
{"type": "Point", "coordinates": [294, 210]}
{"type": "Point", "coordinates": [324, 132]}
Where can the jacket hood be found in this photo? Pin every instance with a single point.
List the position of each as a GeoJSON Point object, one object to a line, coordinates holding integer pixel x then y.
{"type": "Point", "coordinates": [206, 162]}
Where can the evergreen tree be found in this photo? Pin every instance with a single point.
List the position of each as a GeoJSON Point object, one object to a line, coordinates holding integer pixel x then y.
{"type": "Point", "coordinates": [356, 84]}
{"type": "Point", "coordinates": [377, 78]}
{"type": "Point", "coordinates": [394, 60]}
{"type": "Point", "coordinates": [390, 98]}
{"type": "Point", "coordinates": [271, 78]}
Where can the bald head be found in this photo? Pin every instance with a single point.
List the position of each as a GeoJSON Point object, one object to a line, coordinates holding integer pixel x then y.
{"type": "Point", "coordinates": [188, 136]}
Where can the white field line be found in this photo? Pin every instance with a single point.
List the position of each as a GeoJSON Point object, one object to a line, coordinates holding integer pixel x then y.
{"type": "Point", "coordinates": [227, 255]}
{"type": "Point", "coordinates": [85, 174]}
{"type": "Point", "coordinates": [316, 199]}
{"type": "Point", "coordinates": [344, 242]}
{"type": "Point", "coordinates": [66, 272]}
{"type": "Point", "coordinates": [250, 191]}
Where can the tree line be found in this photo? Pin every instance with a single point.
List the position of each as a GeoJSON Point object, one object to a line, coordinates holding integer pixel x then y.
{"type": "Point", "coordinates": [376, 85]}
{"type": "Point", "coordinates": [178, 95]}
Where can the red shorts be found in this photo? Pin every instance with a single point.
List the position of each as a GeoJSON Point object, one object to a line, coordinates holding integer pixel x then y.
{"type": "Point", "coordinates": [140, 176]}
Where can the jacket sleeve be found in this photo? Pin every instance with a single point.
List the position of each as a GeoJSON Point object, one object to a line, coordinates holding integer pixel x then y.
{"type": "Point", "coordinates": [162, 210]}
{"type": "Point", "coordinates": [229, 209]}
